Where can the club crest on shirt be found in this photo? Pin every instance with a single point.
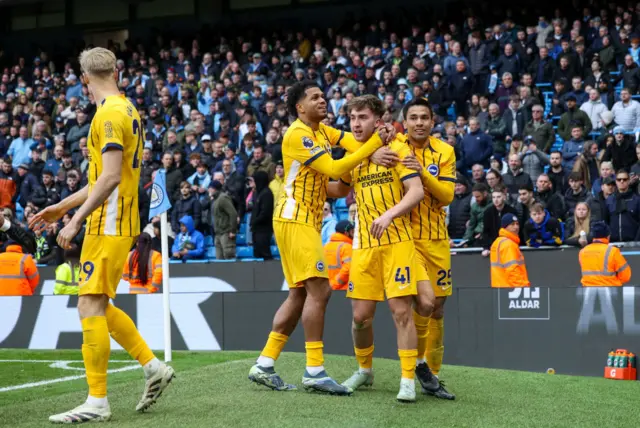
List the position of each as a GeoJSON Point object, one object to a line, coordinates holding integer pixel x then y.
{"type": "Point", "coordinates": [320, 266]}
{"type": "Point", "coordinates": [307, 142]}
{"type": "Point", "coordinates": [433, 169]}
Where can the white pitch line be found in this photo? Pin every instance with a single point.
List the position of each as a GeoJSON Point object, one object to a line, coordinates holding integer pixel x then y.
{"type": "Point", "coordinates": [62, 379]}
{"type": "Point", "coordinates": [59, 361]}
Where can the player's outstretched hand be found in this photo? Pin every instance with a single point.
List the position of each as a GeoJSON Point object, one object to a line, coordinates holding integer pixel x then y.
{"type": "Point", "coordinates": [412, 162]}
{"type": "Point", "coordinates": [379, 225]}
{"type": "Point", "coordinates": [385, 157]}
{"type": "Point", "coordinates": [68, 233]}
{"type": "Point", "coordinates": [42, 219]}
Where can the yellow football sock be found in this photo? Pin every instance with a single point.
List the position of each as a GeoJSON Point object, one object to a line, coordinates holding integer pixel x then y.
{"type": "Point", "coordinates": [124, 331]}
{"type": "Point", "coordinates": [274, 345]}
{"type": "Point", "coordinates": [435, 344]}
{"type": "Point", "coordinates": [364, 357]}
{"type": "Point", "coordinates": [408, 362]}
{"type": "Point", "coordinates": [315, 357]}
{"type": "Point", "coordinates": [95, 353]}
{"type": "Point", "coordinates": [422, 324]}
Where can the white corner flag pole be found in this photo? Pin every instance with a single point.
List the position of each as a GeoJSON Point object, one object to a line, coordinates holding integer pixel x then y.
{"type": "Point", "coordinates": [166, 289]}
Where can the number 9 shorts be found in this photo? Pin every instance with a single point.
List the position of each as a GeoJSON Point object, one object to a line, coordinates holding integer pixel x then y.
{"type": "Point", "coordinates": [102, 260]}
{"type": "Point", "coordinates": [388, 269]}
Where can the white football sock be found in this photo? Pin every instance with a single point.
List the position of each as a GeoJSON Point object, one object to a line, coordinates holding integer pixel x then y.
{"type": "Point", "coordinates": [266, 362]}
{"type": "Point", "coordinates": [97, 402]}
{"type": "Point", "coordinates": [407, 382]}
{"type": "Point", "coordinates": [314, 371]}
{"type": "Point", "coordinates": [420, 361]}
{"type": "Point", "coordinates": [361, 370]}
{"type": "Point", "coordinates": [151, 367]}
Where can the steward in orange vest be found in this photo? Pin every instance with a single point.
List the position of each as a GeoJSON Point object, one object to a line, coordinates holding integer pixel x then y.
{"type": "Point", "coordinates": [337, 253]}
{"type": "Point", "coordinates": [18, 272]}
{"type": "Point", "coordinates": [603, 265]}
{"type": "Point", "coordinates": [507, 263]}
{"type": "Point", "coordinates": [143, 269]}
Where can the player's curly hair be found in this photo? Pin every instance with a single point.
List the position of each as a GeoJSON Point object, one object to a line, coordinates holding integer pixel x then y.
{"type": "Point", "coordinates": [418, 101]}
{"type": "Point", "coordinates": [296, 93]}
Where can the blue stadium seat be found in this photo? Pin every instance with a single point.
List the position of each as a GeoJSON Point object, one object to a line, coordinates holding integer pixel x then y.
{"type": "Point", "coordinates": [211, 253]}
{"type": "Point", "coordinates": [246, 218]}
{"type": "Point", "coordinates": [243, 229]}
{"type": "Point", "coordinates": [241, 239]}
{"type": "Point", "coordinates": [243, 252]}
{"type": "Point", "coordinates": [273, 240]}
{"type": "Point", "coordinates": [342, 215]}
{"type": "Point", "coordinates": [208, 241]}
{"type": "Point", "coordinates": [198, 261]}
{"type": "Point", "coordinates": [19, 212]}
{"type": "Point", "coordinates": [275, 252]}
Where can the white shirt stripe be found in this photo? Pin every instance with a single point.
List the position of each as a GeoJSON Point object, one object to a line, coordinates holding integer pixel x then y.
{"type": "Point", "coordinates": [112, 213]}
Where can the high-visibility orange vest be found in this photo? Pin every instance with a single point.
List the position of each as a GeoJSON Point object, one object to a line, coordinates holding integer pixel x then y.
{"type": "Point", "coordinates": [154, 274]}
{"type": "Point", "coordinates": [337, 253]}
{"type": "Point", "coordinates": [507, 262]}
{"type": "Point", "coordinates": [18, 273]}
{"type": "Point", "coordinates": [603, 265]}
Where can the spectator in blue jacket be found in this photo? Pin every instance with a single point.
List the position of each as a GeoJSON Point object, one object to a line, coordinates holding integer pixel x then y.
{"type": "Point", "coordinates": [20, 149]}
{"type": "Point", "coordinates": [476, 146]}
{"type": "Point", "coordinates": [623, 208]}
{"type": "Point", "coordinates": [573, 148]}
{"type": "Point", "coordinates": [189, 243]}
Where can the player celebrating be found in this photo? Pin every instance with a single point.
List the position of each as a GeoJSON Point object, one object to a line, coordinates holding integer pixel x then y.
{"type": "Point", "coordinates": [109, 204]}
{"type": "Point", "coordinates": [383, 249]}
{"type": "Point", "coordinates": [435, 161]}
{"type": "Point", "coordinates": [306, 151]}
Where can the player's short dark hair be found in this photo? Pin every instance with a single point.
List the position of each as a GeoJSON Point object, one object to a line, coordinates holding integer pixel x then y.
{"type": "Point", "coordinates": [370, 102]}
{"type": "Point", "coordinates": [296, 93]}
{"type": "Point", "coordinates": [419, 101]}
{"type": "Point", "coordinates": [480, 187]}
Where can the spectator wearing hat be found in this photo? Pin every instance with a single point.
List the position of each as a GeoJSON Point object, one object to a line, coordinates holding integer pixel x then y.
{"type": "Point", "coordinates": [622, 151]}
{"type": "Point", "coordinates": [460, 208]}
{"type": "Point", "coordinates": [74, 86]}
{"type": "Point", "coordinates": [534, 160]}
{"type": "Point", "coordinates": [571, 118]}
{"type": "Point", "coordinates": [224, 220]}
{"type": "Point", "coordinates": [573, 147]}
{"type": "Point", "coordinates": [337, 252]}
{"type": "Point", "coordinates": [508, 268]}
{"type": "Point", "coordinates": [8, 186]}
{"type": "Point", "coordinates": [626, 112]}
{"type": "Point", "coordinates": [624, 210]}
{"type": "Point", "coordinates": [603, 265]}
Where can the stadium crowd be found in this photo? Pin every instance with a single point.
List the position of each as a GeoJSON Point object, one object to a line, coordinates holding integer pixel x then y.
{"type": "Point", "coordinates": [541, 115]}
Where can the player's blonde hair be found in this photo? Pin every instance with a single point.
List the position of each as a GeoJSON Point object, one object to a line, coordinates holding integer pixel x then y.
{"type": "Point", "coordinates": [98, 62]}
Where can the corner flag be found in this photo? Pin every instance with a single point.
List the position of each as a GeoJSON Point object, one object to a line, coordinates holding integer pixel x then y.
{"type": "Point", "coordinates": [159, 198]}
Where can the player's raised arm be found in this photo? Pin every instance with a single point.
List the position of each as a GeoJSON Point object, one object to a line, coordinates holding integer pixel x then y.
{"type": "Point", "coordinates": [318, 159]}
{"type": "Point", "coordinates": [347, 141]}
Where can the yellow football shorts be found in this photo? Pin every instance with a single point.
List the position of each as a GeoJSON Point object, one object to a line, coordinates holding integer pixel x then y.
{"type": "Point", "coordinates": [301, 252]}
{"type": "Point", "coordinates": [388, 269]}
{"type": "Point", "coordinates": [101, 261]}
{"type": "Point", "coordinates": [434, 257]}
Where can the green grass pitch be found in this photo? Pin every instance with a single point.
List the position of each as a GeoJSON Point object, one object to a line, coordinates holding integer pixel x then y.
{"type": "Point", "coordinates": [212, 390]}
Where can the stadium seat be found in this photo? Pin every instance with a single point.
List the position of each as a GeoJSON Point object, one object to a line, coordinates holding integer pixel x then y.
{"type": "Point", "coordinates": [275, 252]}
{"type": "Point", "coordinates": [273, 240]}
{"type": "Point", "coordinates": [341, 203]}
{"type": "Point", "coordinates": [243, 229]}
{"type": "Point", "coordinates": [208, 241]}
{"type": "Point", "coordinates": [198, 261]}
{"type": "Point", "coordinates": [244, 252]}
{"type": "Point", "coordinates": [211, 253]}
{"type": "Point", "coordinates": [241, 239]}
